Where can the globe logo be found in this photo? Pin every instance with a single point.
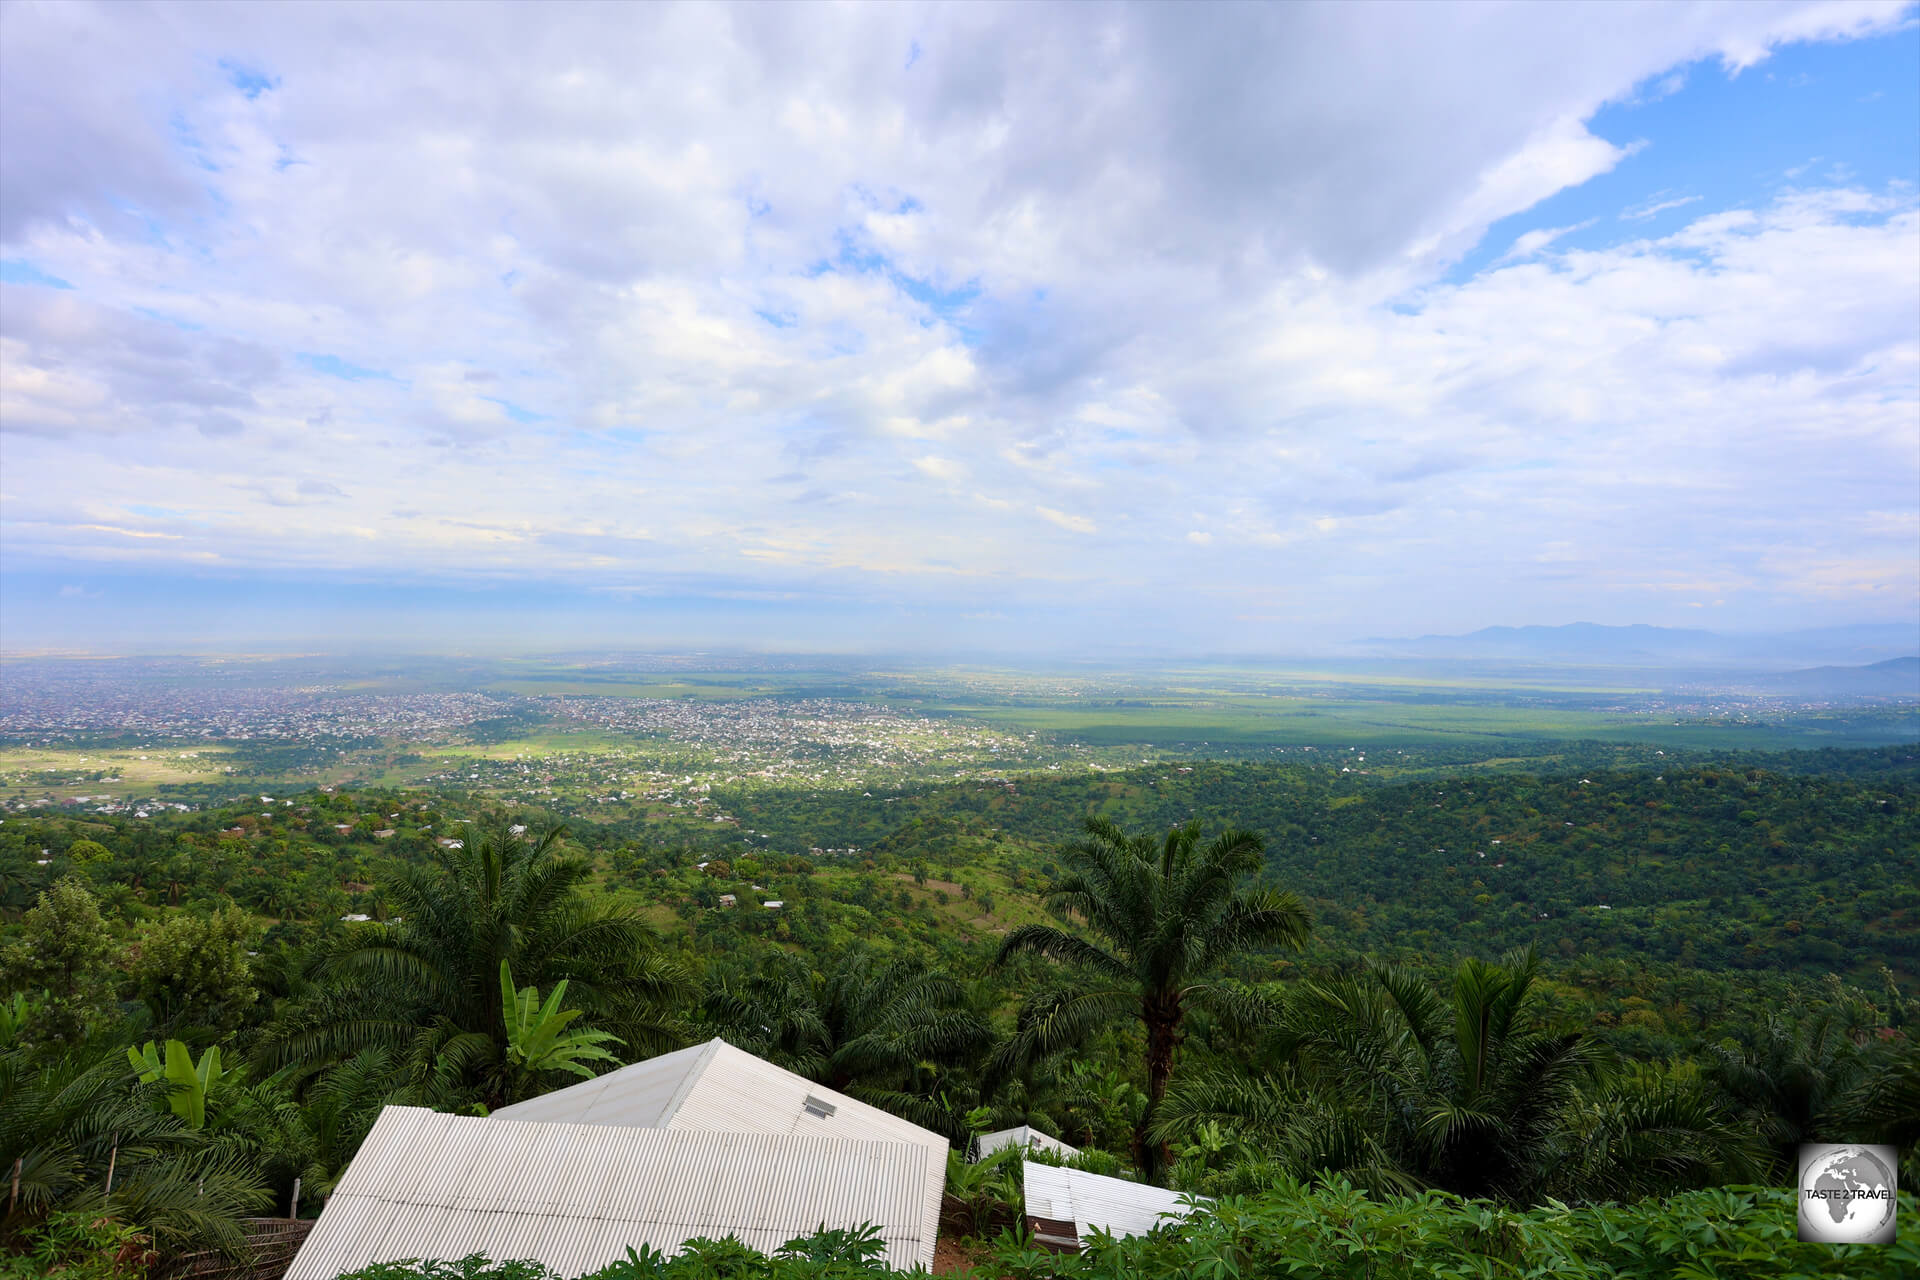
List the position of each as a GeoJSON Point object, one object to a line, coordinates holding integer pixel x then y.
{"type": "Point", "coordinates": [1847, 1193]}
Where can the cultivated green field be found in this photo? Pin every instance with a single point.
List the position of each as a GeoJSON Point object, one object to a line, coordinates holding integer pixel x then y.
{"type": "Point", "coordinates": [1284, 721]}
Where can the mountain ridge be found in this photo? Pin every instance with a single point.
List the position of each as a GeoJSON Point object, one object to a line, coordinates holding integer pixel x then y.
{"type": "Point", "coordinates": [1643, 644]}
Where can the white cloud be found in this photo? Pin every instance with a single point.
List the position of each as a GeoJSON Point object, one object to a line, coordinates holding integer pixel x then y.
{"type": "Point", "coordinates": [1561, 155]}
{"type": "Point", "coordinates": [686, 293]}
{"type": "Point", "coordinates": [1656, 205]}
{"type": "Point", "coordinates": [938, 468]}
{"type": "Point", "coordinates": [1530, 244]}
{"type": "Point", "coordinates": [1071, 523]}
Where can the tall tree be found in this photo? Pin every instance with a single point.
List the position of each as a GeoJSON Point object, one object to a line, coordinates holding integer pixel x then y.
{"type": "Point", "coordinates": [1167, 914]}
{"type": "Point", "coordinates": [193, 970]}
{"type": "Point", "coordinates": [63, 947]}
{"type": "Point", "coordinates": [427, 982]}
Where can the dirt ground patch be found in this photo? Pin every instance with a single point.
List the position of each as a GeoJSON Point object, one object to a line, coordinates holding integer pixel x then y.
{"type": "Point", "coordinates": [952, 1258]}
{"type": "Point", "coordinates": [931, 885]}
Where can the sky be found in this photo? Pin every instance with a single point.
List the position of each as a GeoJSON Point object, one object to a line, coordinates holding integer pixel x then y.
{"type": "Point", "coordinates": [953, 328]}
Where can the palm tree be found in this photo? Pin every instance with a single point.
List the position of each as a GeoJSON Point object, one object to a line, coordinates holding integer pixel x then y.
{"type": "Point", "coordinates": [1295, 1130]}
{"type": "Point", "coordinates": [1886, 1102]}
{"type": "Point", "coordinates": [1650, 1130]}
{"type": "Point", "coordinates": [273, 896]}
{"type": "Point", "coordinates": [1467, 1088]}
{"type": "Point", "coordinates": [426, 983]}
{"type": "Point", "coordinates": [1399, 1086]}
{"type": "Point", "coordinates": [1170, 913]}
{"type": "Point", "coordinates": [889, 1032]}
{"type": "Point", "coordinates": [21, 881]}
{"type": "Point", "coordinates": [1794, 1079]}
{"type": "Point", "coordinates": [67, 1119]}
{"type": "Point", "coordinates": [313, 1139]}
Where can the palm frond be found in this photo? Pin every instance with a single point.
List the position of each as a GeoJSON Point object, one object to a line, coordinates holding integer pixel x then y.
{"type": "Point", "coordinates": [1058, 944]}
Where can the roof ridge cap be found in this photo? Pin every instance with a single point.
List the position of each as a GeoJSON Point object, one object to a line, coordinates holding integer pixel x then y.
{"type": "Point", "coordinates": [702, 1060]}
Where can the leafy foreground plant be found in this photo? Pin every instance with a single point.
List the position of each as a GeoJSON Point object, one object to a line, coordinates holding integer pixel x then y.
{"type": "Point", "coordinates": [828, 1254]}
{"type": "Point", "coordinates": [77, 1246]}
{"type": "Point", "coordinates": [538, 1039]}
{"type": "Point", "coordinates": [1728, 1233]}
{"type": "Point", "coordinates": [192, 1081]}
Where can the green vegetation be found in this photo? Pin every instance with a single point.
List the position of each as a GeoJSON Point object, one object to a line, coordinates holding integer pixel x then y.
{"type": "Point", "coordinates": [1397, 1085]}
{"type": "Point", "coordinates": [1337, 989]}
{"type": "Point", "coordinates": [192, 1082]}
{"type": "Point", "coordinates": [422, 984]}
{"type": "Point", "coordinates": [1166, 915]}
{"type": "Point", "coordinates": [1335, 1232]}
{"type": "Point", "coordinates": [537, 1038]}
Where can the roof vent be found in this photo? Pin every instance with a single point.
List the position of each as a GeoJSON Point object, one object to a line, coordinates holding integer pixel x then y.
{"type": "Point", "coordinates": [819, 1108]}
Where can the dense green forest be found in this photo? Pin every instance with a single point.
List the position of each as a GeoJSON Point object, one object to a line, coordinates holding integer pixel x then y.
{"type": "Point", "coordinates": [1248, 980]}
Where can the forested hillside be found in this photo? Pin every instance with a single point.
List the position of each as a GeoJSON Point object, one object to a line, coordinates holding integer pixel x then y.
{"type": "Point", "coordinates": [1724, 950]}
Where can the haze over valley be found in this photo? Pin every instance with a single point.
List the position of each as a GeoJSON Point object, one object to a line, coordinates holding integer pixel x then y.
{"type": "Point", "coordinates": [740, 641]}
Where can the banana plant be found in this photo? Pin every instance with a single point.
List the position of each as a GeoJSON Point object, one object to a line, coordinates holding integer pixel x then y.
{"type": "Point", "coordinates": [537, 1035]}
{"type": "Point", "coordinates": [195, 1082]}
{"type": "Point", "coordinates": [14, 1013]}
{"type": "Point", "coordinates": [984, 1194]}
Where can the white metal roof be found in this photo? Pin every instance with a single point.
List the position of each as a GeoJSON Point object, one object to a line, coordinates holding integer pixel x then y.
{"type": "Point", "coordinates": [1019, 1136]}
{"type": "Point", "coordinates": [576, 1196]}
{"type": "Point", "coordinates": [714, 1086]}
{"type": "Point", "coordinates": [1089, 1200]}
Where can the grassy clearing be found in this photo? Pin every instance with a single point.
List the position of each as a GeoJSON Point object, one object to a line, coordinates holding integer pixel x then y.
{"type": "Point", "coordinates": [28, 771]}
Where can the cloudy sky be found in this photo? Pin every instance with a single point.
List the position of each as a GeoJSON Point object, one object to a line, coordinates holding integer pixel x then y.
{"type": "Point", "coordinates": [957, 328]}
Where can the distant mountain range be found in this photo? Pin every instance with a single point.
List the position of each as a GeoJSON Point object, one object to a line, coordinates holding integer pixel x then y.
{"type": "Point", "coordinates": [1670, 647]}
{"type": "Point", "coordinates": [1894, 678]}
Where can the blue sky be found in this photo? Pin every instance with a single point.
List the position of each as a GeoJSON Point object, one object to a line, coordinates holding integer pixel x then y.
{"type": "Point", "coordinates": [1706, 136]}
{"type": "Point", "coordinates": [1017, 329]}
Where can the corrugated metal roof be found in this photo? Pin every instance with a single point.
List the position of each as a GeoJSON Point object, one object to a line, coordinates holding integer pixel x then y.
{"type": "Point", "coordinates": [715, 1086]}
{"type": "Point", "coordinates": [576, 1196]}
{"type": "Point", "coordinates": [1019, 1136]}
{"type": "Point", "coordinates": [1089, 1200]}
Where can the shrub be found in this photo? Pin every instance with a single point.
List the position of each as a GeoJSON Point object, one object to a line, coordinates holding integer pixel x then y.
{"type": "Point", "coordinates": [1333, 1233]}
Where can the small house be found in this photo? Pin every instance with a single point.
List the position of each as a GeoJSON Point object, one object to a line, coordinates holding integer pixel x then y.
{"type": "Point", "coordinates": [1021, 1136]}
{"type": "Point", "coordinates": [1064, 1206]}
{"type": "Point", "coordinates": [716, 1087]}
{"type": "Point", "coordinates": [577, 1196]}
